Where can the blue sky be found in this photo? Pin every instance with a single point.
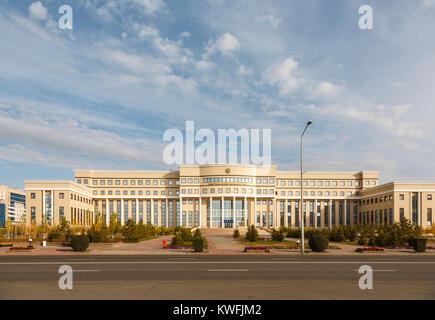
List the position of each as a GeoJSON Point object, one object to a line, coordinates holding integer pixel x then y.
{"type": "Point", "coordinates": [101, 95]}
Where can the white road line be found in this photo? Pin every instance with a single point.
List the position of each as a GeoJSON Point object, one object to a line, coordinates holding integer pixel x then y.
{"type": "Point", "coordinates": [181, 259]}
{"type": "Point", "coordinates": [217, 262]}
{"type": "Point", "coordinates": [86, 271]}
{"type": "Point", "coordinates": [228, 270]}
{"type": "Point", "coordinates": [380, 270]}
{"type": "Point", "coordinates": [81, 259]}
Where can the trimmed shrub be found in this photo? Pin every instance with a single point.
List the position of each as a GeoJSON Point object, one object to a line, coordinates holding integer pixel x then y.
{"type": "Point", "coordinates": [277, 235]}
{"type": "Point", "coordinates": [197, 233]}
{"type": "Point", "coordinates": [419, 244]}
{"type": "Point", "coordinates": [251, 234]}
{"type": "Point", "coordinates": [236, 233]}
{"type": "Point", "coordinates": [198, 244]}
{"type": "Point", "coordinates": [177, 240]}
{"type": "Point", "coordinates": [318, 243]}
{"type": "Point", "coordinates": [80, 242]}
{"type": "Point", "coordinates": [186, 234]}
{"type": "Point", "coordinates": [362, 241]}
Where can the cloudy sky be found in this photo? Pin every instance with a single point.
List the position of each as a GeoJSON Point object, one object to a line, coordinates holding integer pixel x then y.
{"type": "Point", "coordinates": [101, 95]}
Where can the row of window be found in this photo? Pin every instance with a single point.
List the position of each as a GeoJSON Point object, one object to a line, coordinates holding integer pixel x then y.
{"type": "Point", "coordinates": [402, 197]}
{"type": "Point", "coordinates": [103, 182]}
{"type": "Point", "coordinates": [130, 182]}
{"type": "Point", "coordinates": [376, 200]}
{"type": "Point", "coordinates": [73, 197]}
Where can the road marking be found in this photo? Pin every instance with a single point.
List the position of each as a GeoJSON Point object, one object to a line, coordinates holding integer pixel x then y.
{"type": "Point", "coordinates": [86, 270]}
{"type": "Point", "coordinates": [181, 259]}
{"type": "Point", "coordinates": [286, 259]}
{"type": "Point", "coordinates": [227, 270]}
{"type": "Point", "coordinates": [216, 262]}
{"type": "Point", "coordinates": [92, 259]}
{"type": "Point", "coordinates": [380, 270]}
{"type": "Point", "coordinates": [384, 259]}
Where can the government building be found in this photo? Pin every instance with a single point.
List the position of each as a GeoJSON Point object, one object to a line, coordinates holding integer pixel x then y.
{"type": "Point", "coordinates": [227, 196]}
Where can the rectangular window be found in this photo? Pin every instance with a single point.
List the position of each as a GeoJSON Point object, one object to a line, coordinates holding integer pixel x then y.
{"type": "Point", "coordinates": [178, 213]}
{"type": "Point", "coordinates": [429, 216]}
{"type": "Point", "coordinates": [133, 210]}
{"type": "Point", "coordinates": [402, 213]}
{"type": "Point", "coordinates": [163, 214]}
{"type": "Point", "coordinates": [148, 211]}
{"type": "Point", "coordinates": [429, 197]}
{"type": "Point", "coordinates": [184, 219]}
{"type": "Point", "coordinates": [171, 214]}
{"type": "Point", "coordinates": [125, 211]}
{"type": "Point", "coordinates": [156, 213]}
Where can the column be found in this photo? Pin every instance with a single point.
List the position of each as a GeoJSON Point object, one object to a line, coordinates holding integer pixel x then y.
{"type": "Point", "coordinates": [108, 213]}
{"type": "Point", "coordinates": [200, 212]}
{"type": "Point", "coordinates": [152, 210]}
{"type": "Point", "coordinates": [274, 213]}
{"type": "Point", "coordinates": [419, 209]}
{"type": "Point", "coordinates": [246, 212]}
{"type": "Point", "coordinates": [410, 207]}
{"type": "Point", "coordinates": [211, 212]}
{"type": "Point", "coordinates": [234, 211]}
{"type": "Point", "coordinates": [122, 212]}
{"type": "Point", "coordinates": [52, 207]}
{"type": "Point", "coordinates": [137, 210]}
{"type": "Point", "coordinates": [255, 212]}
{"type": "Point", "coordinates": [222, 212]}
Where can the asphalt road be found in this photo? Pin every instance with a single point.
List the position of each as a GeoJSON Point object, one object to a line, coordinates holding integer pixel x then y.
{"type": "Point", "coordinates": [217, 277]}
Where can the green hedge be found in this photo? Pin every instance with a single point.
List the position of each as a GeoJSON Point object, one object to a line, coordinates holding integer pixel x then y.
{"type": "Point", "coordinates": [80, 242]}
{"type": "Point", "coordinates": [318, 243]}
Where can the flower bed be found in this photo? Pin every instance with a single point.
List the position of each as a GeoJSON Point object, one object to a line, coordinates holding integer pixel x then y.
{"type": "Point", "coordinates": [256, 249]}
{"type": "Point", "coordinates": [369, 249]}
{"type": "Point", "coordinates": [181, 247]}
{"type": "Point", "coordinates": [22, 248]}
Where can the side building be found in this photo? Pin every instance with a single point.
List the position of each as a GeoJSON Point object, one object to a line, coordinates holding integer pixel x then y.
{"type": "Point", "coordinates": [226, 196]}
{"type": "Point", "coordinates": [12, 205]}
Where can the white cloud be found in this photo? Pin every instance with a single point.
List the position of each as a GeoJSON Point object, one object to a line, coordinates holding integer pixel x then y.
{"type": "Point", "coordinates": [38, 11]}
{"type": "Point", "coordinates": [283, 75]}
{"type": "Point", "coordinates": [244, 71]}
{"type": "Point", "coordinates": [398, 84]}
{"type": "Point", "coordinates": [380, 116]}
{"type": "Point", "coordinates": [428, 3]}
{"type": "Point", "coordinates": [328, 89]}
{"type": "Point", "coordinates": [226, 44]}
{"type": "Point", "coordinates": [151, 6]}
{"type": "Point", "coordinates": [185, 34]}
{"type": "Point", "coordinates": [272, 20]}
{"type": "Point", "coordinates": [204, 65]}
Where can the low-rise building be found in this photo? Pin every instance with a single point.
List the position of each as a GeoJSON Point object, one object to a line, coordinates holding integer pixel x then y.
{"type": "Point", "coordinates": [226, 196]}
{"type": "Point", "coordinates": [12, 205]}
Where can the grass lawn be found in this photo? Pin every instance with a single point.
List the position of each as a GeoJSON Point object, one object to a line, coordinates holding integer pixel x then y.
{"type": "Point", "coordinates": [285, 244]}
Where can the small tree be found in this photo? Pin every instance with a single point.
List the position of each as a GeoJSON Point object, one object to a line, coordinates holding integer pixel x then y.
{"type": "Point", "coordinates": [114, 224]}
{"type": "Point", "coordinates": [251, 234]}
{"type": "Point", "coordinates": [277, 235]}
{"type": "Point", "coordinates": [236, 233]}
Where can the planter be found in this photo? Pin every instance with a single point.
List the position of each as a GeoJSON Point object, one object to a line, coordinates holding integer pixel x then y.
{"type": "Point", "coordinates": [21, 249]}
{"type": "Point", "coordinates": [369, 249]}
{"type": "Point", "coordinates": [265, 249]}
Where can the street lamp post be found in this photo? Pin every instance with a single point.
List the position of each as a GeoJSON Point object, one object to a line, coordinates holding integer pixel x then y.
{"type": "Point", "coordinates": [302, 192]}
